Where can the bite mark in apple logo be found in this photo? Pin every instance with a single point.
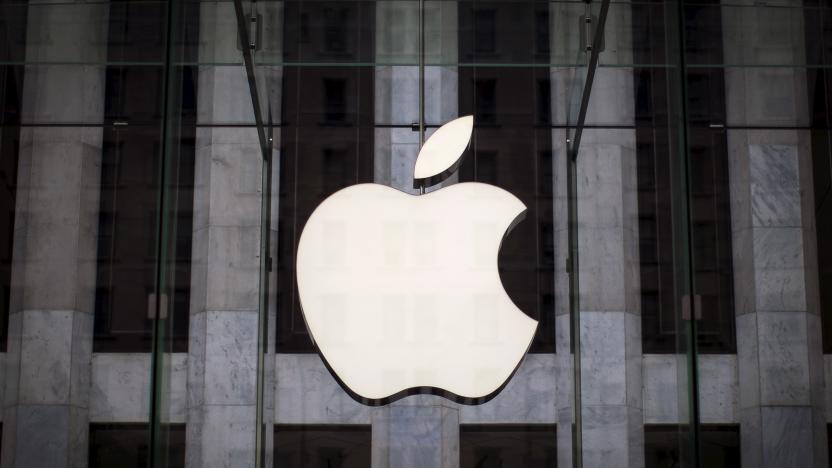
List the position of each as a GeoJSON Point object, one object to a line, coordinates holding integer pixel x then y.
{"type": "Point", "coordinates": [401, 293]}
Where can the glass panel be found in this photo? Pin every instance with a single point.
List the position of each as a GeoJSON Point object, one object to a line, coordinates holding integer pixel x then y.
{"type": "Point", "coordinates": [91, 108]}
{"type": "Point", "coordinates": [160, 160]}
{"type": "Point", "coordinates": [341, 91]}
{"type": "Point", "coordinates": [633, 242]}
{"type": "Point", "coordinates": [757, 101]}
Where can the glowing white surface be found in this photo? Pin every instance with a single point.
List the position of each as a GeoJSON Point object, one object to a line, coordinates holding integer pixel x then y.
{"type": "Point", "coordinates": [444, 147]}
{"type": "Point", "coordinates": [402, 291]}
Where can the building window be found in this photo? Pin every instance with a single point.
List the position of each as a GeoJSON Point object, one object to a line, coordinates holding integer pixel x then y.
{"type": "Point", "coordinates": [128, 222]}
{"type": "Point", "coordinates": [328, 31]}
{"type": "Point", "coordinates": [312, 446]}
{"type": "Point", "coordinates": [128, 213]}
{"type": "Point", "coordinates": [817, 38]}
{"type": "Point", "coordinates": [710, 214]}
{"type": "Point", "coordinates": [823, 219]}
{"type": "Point", "coordinates": [11, 100]}
{"type": "Point", "coordinates": [504, 32]}
{"type": "Point", "coordinates": [828, 440]}
{"type": "Point", "coordinates": [127, 445]}
{"type": "Point", "coordinates": [512, 146]}
{"type": "Point", "coordinates": [498, 445]}
{"type": "Point", "coordinates": [485, 30]}
{"type": "Point", "coordinates": [719, 446]}
{"type": "Point", "coordinates": [326, 136]}
{"type": "Point", "coordinates": [485, 101]}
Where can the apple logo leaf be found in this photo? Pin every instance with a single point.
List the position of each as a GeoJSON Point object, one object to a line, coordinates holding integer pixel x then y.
{"type": "Point", "coordinates": [442, 152]}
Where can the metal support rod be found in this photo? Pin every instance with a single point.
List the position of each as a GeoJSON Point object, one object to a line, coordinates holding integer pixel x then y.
{"type": "Point", "coordinates": [597, 40]}
{"type": "Point", "coordinates": [574, 266]}
{"type": "Point", "coordinates": [168, 128]}
{"type": "Point", "coordinates": [421, 72]}
{"type": "Point", "coordinates": [683, 180]}
{"type": "Point", "coordinates": [574, 306]}
{"type": "Point", "coordinates": [243, 23]}
{"type": "Point", "coordinates": [248, 62]}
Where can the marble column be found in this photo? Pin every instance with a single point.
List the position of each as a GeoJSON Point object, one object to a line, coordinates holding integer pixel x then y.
{"type": "Point", "coordinates": [611, 393]}
{"type": "Point", "coordinates": [46, 404]}
{"type": "Point", "coordinates": [778, 326]}
{"type": "Point", "coordinates": [225, 279]}
{"type": "Point", "coordinates": [417, 432]}
{"type": "Point", "coordinates": [609, 296]}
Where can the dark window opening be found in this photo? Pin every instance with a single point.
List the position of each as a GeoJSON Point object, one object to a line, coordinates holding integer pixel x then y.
{"type": "Point", "coordinates": [326, 137]}
{"type": "Point", "coordinates": [329, 31]}
{"type": "Point", "coordinates": [335, 99]}
{"type": "Point", "coordinates": [512, 146]}
{"type": "Point", "coordinates": [485, 101]}
{"type": "Point", "coordinates": [503, 32]}
{"type": "Point", "coordinates": [504, 445]}
{"type": "Point", "coordinates": [719, 445]}
{"type": "Point", "coordinates": [710, 213]}
{"type": "Point", "coordinates": [127, 445]}
{"type": "Point", "coordinates": [128, 218]}
{"type": "Point", "coordinates": [485, 31]}
{"type": "Point", "coordinates": [314, 446]}
{"type": "Point", "coordinates": [336, 34]}
{"type": "Point", "coordinates": [819, 82]}
{"type": "Point", "coordinates": [828, 441]}
{"type": "Point", "coordinates": [13, 29]}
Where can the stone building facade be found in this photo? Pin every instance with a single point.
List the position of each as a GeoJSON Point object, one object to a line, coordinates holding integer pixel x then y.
{"type": "Point", "coordinates": [770, 387]}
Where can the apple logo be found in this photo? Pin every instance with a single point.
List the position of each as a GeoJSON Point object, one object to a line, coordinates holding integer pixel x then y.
{"type": "Point", "coordinates": [401, 293]}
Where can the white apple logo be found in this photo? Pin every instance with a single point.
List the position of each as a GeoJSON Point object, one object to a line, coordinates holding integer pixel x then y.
{"type": "Point", "coordinates": [401, 293]}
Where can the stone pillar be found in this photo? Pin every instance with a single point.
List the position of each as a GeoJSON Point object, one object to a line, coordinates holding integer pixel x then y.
{"type": "Point", "coordinates": [611, 394]}
{"type": "Point", "coordinates": [417, 432]}
{"type": "Point", "coordinates": [778, 326]}
{"type": "Point", "coordinates": [225, 283]}
{"type": "Point", "coordinates": [610, 332]}
{"type": "Point", "coordinates": [782, 420]}
{"type": "Point", "coordinates": [46, 405]}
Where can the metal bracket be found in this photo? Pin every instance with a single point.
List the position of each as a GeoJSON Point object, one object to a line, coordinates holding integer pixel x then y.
{"type": "Point", "coordinates": [587, 29]}
{"type": "Point", "coordinates": [696, 305]}
{"type": "Point", "coordinates": [151, 306]}
{"type": "Point", "coordinates": [255, 36]}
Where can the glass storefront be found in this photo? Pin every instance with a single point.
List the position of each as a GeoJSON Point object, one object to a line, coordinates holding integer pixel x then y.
{"type": "Point", "coordinates": [162, 158]}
